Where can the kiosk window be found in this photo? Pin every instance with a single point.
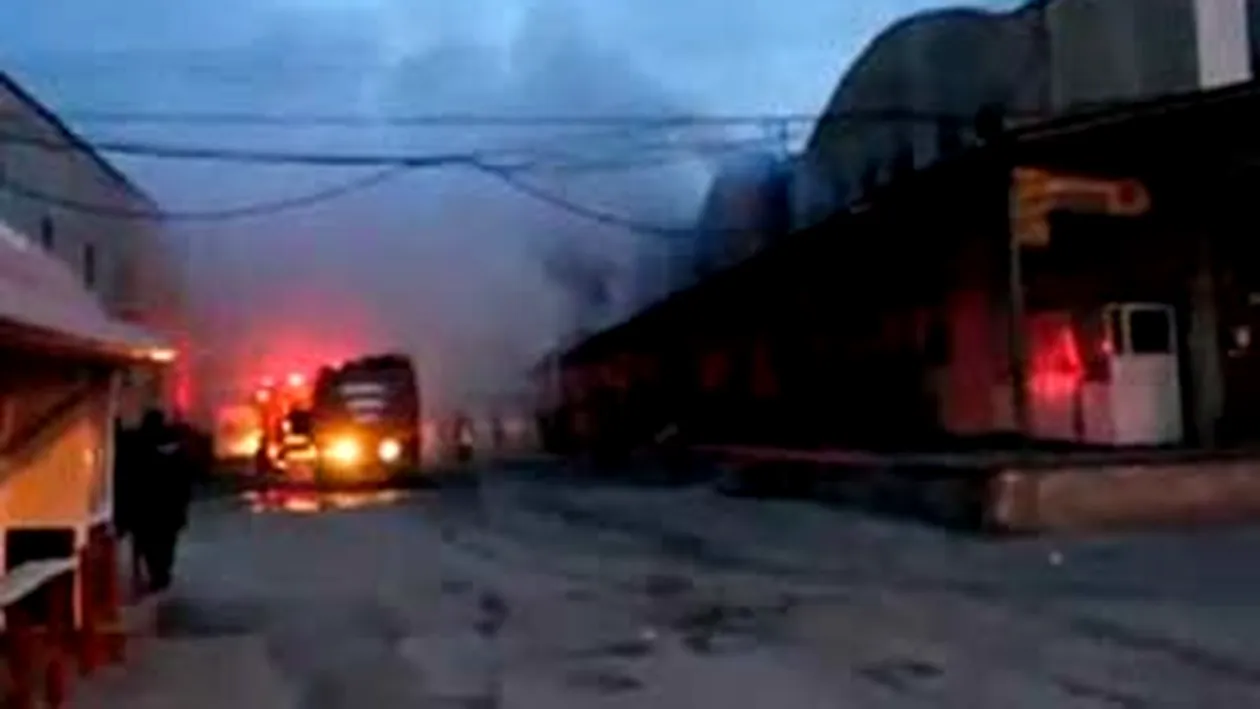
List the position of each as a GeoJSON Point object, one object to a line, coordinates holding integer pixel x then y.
{"type": "Point", "coordinates": [1150, 332]}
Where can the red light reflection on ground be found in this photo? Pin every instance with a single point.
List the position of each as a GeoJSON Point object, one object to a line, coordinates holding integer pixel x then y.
{"type": "Point", "coordinates": [306, 502]}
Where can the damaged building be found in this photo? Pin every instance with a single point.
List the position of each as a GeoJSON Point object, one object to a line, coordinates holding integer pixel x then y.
{"type": "Point", "coordinates": [1027, 225]}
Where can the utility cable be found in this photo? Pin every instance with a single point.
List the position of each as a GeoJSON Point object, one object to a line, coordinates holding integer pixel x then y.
{"type": "Point", "coordinates": [540, 194]}
{"type": "Point", "coordinates": [273, 157]}
{"type": "Point", "coordinates": [505, 120]}
{"type": "Point", "coordinates": [506, 172]}
{"type": "Point", "coordinates": [530, 189]}
{"type": "Point", "coordinates": [237, 155]}
{"type": "Point", "coordinates": [653, 155]}
{"type": "Point", "coordinates": [255, 209]}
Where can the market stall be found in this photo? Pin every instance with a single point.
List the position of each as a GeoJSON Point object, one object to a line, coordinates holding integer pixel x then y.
{"type": "Point", "coordinates": [64, 363]}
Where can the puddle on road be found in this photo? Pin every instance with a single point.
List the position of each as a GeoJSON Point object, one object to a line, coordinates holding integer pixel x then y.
{"type": "Point", "coordinates": [305, 502]}
{"type": "Point", "coordinates": [1102, 695]}
{"type": "Point", "coordinates": [709, 626]}
{"type": "Point", "coordinates": [603, 681]}
{"type": "Point", "coordinates": [455, 587]}
{"type": "Point", "coordinates": [630, 649]}
{"type": "Point", "coordinates": [204, 619]}
{"type": "Point", "coordinates": [493, 613]}
{"type": "Point", "coordinates": [663, 586]}
{"type": "Point", "coordinates": [712, 629]}
{"type": "Point", "coordinates": [900, 673]}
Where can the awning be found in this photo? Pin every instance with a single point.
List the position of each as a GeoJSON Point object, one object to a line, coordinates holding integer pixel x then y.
{"type": "Point", "coordinates": [42, 304]}
{"type": "Point", "coordinates": [1180, 132]}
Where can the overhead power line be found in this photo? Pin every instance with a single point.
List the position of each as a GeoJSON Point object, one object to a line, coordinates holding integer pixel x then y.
{"type": "Point", "coordinates": [553, 164]}
{"type": "Point", "coordinates": [272, 207]}
{"type": "Point", "coordinates": [637, 154]}
{"type": "Point", "coordinates": [146, 149]}
{"type": "Point", "coordinates": [522, 155]}
{"type": "Point", "coordinates": [238, 155]}
{"type": "Point", "coordinates": [576, 209]}
{"type": "Point", "coordinates": [241, 211]}
{"type": "Point", "coordinates": [517, 120]}
{"type": "Point", "coordinates": [642, 155]}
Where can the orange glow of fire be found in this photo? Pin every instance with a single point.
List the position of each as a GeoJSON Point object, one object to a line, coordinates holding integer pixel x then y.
{"type": "Point", "coordinates": [183, 393]}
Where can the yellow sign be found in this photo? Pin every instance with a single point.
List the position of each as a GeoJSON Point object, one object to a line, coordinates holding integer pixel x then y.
{"type": "Point", "coordinates": [1036, 193]}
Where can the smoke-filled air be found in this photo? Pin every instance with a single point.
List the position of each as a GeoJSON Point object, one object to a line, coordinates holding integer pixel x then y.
{"type": "Point", "coordinates": [471, 268]}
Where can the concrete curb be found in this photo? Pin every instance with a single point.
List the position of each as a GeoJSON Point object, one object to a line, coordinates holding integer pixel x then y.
{"type": "Point", "coordinates": [1127, 496]}
{"type": "Point", "coordinates": [1005, 497]}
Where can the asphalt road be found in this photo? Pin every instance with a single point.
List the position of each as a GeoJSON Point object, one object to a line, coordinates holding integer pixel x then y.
{"type": "Point", "coordinates": [534, 590]}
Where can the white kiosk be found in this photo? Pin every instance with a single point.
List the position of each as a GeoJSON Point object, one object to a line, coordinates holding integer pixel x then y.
{"type": "Point", "coordinates": [1140, 403]}
{"type": "Point", "coordinates": [1117, 385]}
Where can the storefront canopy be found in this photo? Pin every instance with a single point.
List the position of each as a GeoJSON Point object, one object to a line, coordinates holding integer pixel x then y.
{"type": "Point", "coordinates": [1211, 129]}
{"type": "Point", "coordinates": [43, 305]}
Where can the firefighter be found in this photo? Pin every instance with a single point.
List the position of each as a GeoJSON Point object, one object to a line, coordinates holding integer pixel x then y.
{"type": "Point", "coordinates": [124, 489]}
{"type": "Point", "coordinates": [161, 484]}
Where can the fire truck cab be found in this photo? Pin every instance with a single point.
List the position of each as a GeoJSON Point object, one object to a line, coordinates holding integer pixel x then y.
{"type": "Point", "coordinates": [365, 419]}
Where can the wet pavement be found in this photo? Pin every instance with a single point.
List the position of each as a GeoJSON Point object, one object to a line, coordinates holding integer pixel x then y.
{"type": "Point", "coordinates": [534, 591]}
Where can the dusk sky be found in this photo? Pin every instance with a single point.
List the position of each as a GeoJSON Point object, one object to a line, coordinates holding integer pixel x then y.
{"type": "Point", "coordinates": [443, 262]}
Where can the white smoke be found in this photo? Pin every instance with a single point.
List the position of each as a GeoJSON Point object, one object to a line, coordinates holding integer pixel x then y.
{"type": "Point", "coordinates": [447, 264]}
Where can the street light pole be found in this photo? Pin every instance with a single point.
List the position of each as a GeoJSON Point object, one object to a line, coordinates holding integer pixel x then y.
{"type": "Point", "coordinates": [991, 127]}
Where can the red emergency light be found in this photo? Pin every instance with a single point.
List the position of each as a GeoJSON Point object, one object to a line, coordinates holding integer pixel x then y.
{"type": "Point", "coordinates": [296, 379]}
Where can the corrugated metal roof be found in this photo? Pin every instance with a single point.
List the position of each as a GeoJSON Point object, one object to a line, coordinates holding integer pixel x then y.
{"type": "Point", "coordinates": [41, 294]}
{"type": "Point", "coordinates": [74, 139]}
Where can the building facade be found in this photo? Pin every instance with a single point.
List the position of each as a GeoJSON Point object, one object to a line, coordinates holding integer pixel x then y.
{"type": "Point", "coordinates": [1085, 276]}
{"type": "Point", "coordinates": [911, 98]}
{"type": "Point", "coordinates": [64, 197]}
{"type": "Point", "coordinates": [745, 208]}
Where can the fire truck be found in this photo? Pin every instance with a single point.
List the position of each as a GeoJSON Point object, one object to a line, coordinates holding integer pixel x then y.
{"type": "Point", "coordinates": [357, 421]}
{"type": "Point", "coordinates": [365, 419]}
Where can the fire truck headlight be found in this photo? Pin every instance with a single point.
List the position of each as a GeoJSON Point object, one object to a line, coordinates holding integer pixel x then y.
{"type": "Point", "coordinates": [389, 451]}
{"type": "Point", "coordinates": [343, 451]}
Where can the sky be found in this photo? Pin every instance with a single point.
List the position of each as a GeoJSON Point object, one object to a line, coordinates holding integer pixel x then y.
{"type": "Point", "coordinates": [470, 276]}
